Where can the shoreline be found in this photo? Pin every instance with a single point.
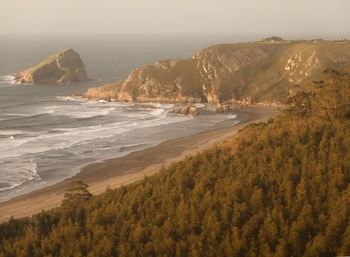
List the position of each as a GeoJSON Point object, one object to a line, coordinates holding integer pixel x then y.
{"type": "Point", "coordinates": [132, 167]}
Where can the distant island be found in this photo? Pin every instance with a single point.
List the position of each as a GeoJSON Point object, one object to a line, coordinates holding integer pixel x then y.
{"type": "Point", "coordinates": [61, 68]}
{"type": "Point", "coordinates": [268, 71]}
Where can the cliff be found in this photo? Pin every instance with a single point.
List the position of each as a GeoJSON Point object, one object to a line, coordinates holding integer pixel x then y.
{"type": "Point", "coordinates": [263, 71]}
{"type": "Point", "coordinates": [61, 68]}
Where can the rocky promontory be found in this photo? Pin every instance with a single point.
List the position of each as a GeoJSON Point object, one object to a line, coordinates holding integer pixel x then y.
{"type": "Point", "coordinates": [262, 71]}
{"type": "Point", "coordinates": [61, 68]}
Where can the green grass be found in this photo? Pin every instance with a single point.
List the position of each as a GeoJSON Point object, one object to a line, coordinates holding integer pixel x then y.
{"type": "Point", "coordinates": [48, 60]}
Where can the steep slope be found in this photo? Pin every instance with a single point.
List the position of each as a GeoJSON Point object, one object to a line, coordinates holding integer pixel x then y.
{"type": "Point", "coordinates": [260, 71]}
{"type": "Point", "coordinates": [280, 189]}
{"type": "Point", "coordinates": [61, 68]}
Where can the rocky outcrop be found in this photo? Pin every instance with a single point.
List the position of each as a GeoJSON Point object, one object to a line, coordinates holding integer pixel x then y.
{"type": "Point", "coordinates": [61, 68]}
{"type": "Point", "coordinates": [184, 110]}
{"type": "Point", "coordinates": [245, 72]}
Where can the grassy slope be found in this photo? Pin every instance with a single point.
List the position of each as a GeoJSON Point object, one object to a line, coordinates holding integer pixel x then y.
{"type": "Point", "coordinates": [47, 61]}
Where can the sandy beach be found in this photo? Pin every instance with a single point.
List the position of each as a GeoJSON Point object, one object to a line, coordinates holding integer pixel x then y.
{"type": "Point", "coordinates": [133, 167]}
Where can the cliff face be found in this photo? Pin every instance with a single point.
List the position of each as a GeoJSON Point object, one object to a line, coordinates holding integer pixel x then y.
{"type": "Point", "coordinates": [261, 71]}
{"type": "Point", "coordinates": [61, 68]}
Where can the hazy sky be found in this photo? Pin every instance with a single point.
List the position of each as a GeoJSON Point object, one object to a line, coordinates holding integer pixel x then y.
{"type": "Point", "coordinates": [247, 17]}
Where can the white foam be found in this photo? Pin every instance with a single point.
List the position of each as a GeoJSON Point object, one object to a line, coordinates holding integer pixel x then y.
{"type": "Point", "coordinates": [76, 111]}
{"type": "Point", "coordinates": [7, 80]}
{"type": "Point", "coordinates": [15, 173]}
{"type": "Point", "coordinates": [10, 132]}
{"type": "Point", "coordinates": [167, 106]}
{"type": "Point", "coordinates": [70, 98]}
{"type": "Point", "coordinates": [65, 138]}
{"type": "Point", "coordinates": [16, 150]}
{"type": "Point", "coordinates": [199, 105]}
{"type": "Point", "coordinates": [157, 112]}
{"type": "Point", "coordinates": [159, 105]}
{"type": "Point", "coordinates": [78, 99]}
{"type": "Point", "coordinates": [30, 112]}
{"type": "Point", "coordinates": [125, 148]}
{"type": "Point", "coordinates": [231, 116]}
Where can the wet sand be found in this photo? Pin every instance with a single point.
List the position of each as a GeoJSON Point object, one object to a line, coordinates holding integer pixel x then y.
{"type": "Point", "coordinates": [133, 167]}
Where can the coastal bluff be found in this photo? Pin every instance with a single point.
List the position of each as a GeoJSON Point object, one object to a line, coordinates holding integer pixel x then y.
{"type": "Point", "coordinates": [265, 71]}
{"type": "Point", "coordinates": [61, 68]}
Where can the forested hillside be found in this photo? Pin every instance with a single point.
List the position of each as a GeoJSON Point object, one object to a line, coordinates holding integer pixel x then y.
{"type": "Point", "coordinates": [278, 189]}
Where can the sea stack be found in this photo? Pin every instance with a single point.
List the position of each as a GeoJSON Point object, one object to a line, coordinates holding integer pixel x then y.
{"type": "Point", "coordinates": [61, 68]}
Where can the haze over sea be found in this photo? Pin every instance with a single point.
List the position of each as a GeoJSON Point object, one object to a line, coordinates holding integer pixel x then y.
{"type": "Point", "coordinates": [46, 137]}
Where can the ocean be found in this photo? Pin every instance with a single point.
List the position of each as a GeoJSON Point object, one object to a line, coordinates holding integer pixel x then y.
{"type": "Point", "coordinates": [47, 136]}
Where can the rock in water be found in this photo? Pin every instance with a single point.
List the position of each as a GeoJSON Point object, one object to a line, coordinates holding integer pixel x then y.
{"type": "Point", "coordinates": [185, 110]}
{"type": "Point", "coordinates": [61, 68]}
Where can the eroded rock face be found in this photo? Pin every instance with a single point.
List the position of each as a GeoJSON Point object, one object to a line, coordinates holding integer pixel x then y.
{"type": "Point", "coordinates": [260, 72]}
{"type": "Point", "coordinates": [61, 68]}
